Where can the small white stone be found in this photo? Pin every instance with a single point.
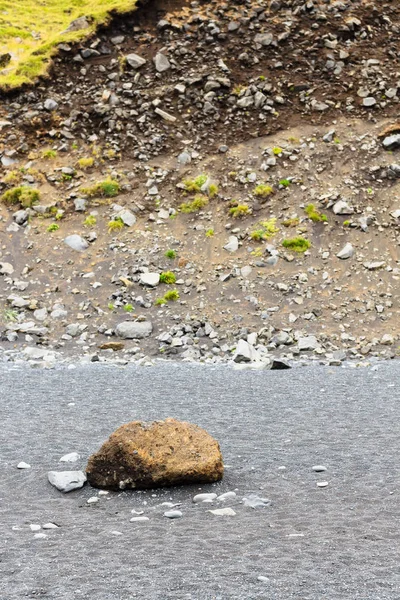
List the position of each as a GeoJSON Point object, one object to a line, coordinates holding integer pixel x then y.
{"type": "Point", "coordinates": [263, 579]}
{"type": "Point", "coordinates": [226, 496]}
{"type": "Point", "coordinates": [173, 514]}
{"type": "Point", "coordinates": [71, 457]}
{"type": "Point", "coordinates": [92, 500]}
{"type": "Point", "coordinates": [23, 465]}
{"type": "Point", "coordinates": [322, 484]}
{"type": "Point", "coordinates": [319, 468]}
{"type": "Point", "coordinates": [204, 498]}
{"type": "Point", "coordinates": [40, 536]}
{"type": "Point", "coordinates": [50, 526]}
{"type": "Point", "coordinates": [103, 493]}
{"type": "Point", "coordinates": [116, 533]}
{"type": "Point", "coordinates": [223, 512]}
{"type": "Point", "coordinates": [139, 519]}
{"type": "Point", "coordinates": [34, 527]}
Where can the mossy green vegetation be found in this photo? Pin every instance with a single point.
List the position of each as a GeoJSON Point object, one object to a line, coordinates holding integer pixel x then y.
{"type": "Point", "coordinates": [115, 225]}
{"type": "Point", "coordinates": [195, 205]}
{"type": "Point", "coordinates": [314, 214]}
{"type": "Point", "coordinates": [239, 211]}
{"type": "Point", "coordinates": [170, 254]}
{"type": "Point", "coordinates": [168, 277]}
{"type": "Point", "coordinates": [108, 188]}
{"type": "Point", "coordinates": [297, 244]}
{"type": "Point", "coordinates": [265, 230]}
{"type": "Point", "coordinates": [195, 185]}
{"type": "Point", "coordinates": [23, 194]}
{"type": "Point", "coordinates": [30, 32]}
{"type": "Point", "coordinates": [170, 296]}
{"type": "Point", "coordinates": [263, 190]}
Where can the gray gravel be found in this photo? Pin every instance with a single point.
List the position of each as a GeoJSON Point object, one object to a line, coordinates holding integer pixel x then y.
{"type": "Point", "coordinates": [309, 543]}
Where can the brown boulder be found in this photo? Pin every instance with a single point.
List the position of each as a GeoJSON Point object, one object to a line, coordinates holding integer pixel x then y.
{"type": "Point", "coordinates": [142, 455]}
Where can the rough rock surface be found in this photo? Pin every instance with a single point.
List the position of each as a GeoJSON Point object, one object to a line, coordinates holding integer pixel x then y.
{"type": "Point", "coordinates": [142, 455]}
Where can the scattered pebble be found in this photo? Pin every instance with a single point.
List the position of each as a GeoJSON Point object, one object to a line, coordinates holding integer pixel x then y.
{"type": "Point", "coordinates": [173, 514]}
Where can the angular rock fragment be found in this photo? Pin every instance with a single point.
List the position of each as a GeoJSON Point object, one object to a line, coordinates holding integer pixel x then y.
{"type": "Point", "coordinates": [142, 455]}
{"type": "Point", "coordinates": [134, 330]}
{"type": "Point", "coordinates": [66, 481]}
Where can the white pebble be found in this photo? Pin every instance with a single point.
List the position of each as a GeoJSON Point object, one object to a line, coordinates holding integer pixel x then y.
{"type": "Point", "coordinates": [137, 512]}
{"type": "Point", "coordinates": [263, 579]}
{"type": "Point", "coordinates": [23, 465]}
{"type": "Point", "coordinates": [173, 514]}
{"type": "Point", "coordinates": [115, 533]}
{"type": "Point", "coordinates": [204, 498]}
{"type": "Point", "coordinates": [50, 526]}
{"type": "Point", "coordinates": [319, 468]}
{"type": "Point", "coordinates": [103, 493]}
{"type": "Point", "coordinates": [70, 458]}
{"type": "Point", "coordinates": [223, 512]}
{"type": "Point", "coordinates": [139, 519]}
{"type": "Point", "coordinates": [92, 500]}
{"type": "Point", "coordinates": [34, 527]}
{"type": "Point", "coordinates": [40, 536]}
{"type": "Point", "coordinates": [226, 496]}
{"type": "Point", "coordinates": [322, 483]}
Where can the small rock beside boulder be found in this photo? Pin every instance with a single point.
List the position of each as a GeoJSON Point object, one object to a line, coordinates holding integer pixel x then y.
{"type": "Point", "coordinates": [134, 330]}
{"type": "Point", "coordinates": [142, 455]}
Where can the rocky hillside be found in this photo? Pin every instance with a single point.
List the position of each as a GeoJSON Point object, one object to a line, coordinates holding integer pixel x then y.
{"type": "Point", "coordinates": [208, 181]}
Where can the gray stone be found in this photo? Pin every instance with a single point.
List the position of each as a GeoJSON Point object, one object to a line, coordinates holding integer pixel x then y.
{"type": "Point", "coordinates": [135, 61]}
{"type": "Point", "coordinates": [129, 330]}
{"type": "Point", "coordinates": [309, 342]}
{"type": "Point", "coordinates": [164, 115]}
{"type": "Point", "coordinates": [369, 102]}
{"type": "Point", "coordinates": [245, 353]}
{"type": "Point", "coordinates": [391, 142]}
{"type": "Point", "coordinates": [76, 242]}
{"type": "Point", "coordinates": [223, 512]}
{"type": "Point", "coordinates": [50, 104]}
{"type": "Point", "coordinates": [80, 204]}
{"type": "Point", "coordinates": [127, 217]}
{"type": "Point", "coordinates": [319, 468]}
{"type": "Point", "coordinates": [346, 252]}
{"type": "Point", "coordinates": [161, 63]}
{"type": "Point", "coordinates": [23, 465]}
{"type": "Point", "coordinates": [264, 39]}
{"type": "Point", "coordinates": [66, 481]}
{"type": "Point", "coordinates": [233, 244]}
{"type": "Point", "coordinates": [173, 514]}
{"type": "Point", "coordinates": [226, 496]}
{"type": "Point", "coordinates": [342, 208]}
{"type": "Point", "coordinates": [70, 458]}
{"type": "Point", "coordinates": [150, 279]}
{"type": "Point", "coordinates": [206, 497]}
{"type": "Point", "coordinates": [77, 25]}
{"type": "Point", "coordinates": [6, 268]}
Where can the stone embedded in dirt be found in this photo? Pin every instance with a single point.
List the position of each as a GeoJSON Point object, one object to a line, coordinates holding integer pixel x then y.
{"type": "Point", "coordinates": [142, 455]}
{"type": "Point", "coordinates": [346, 252]}
{"type": "Point", "coordinates": [309, 342]}
{"type": "Point", "coordinates": [66, 481]}
{"type": "Point", "coordinates": [278, 364]}
{"type": "Point", "coordinates": [23, 465]}
{"type": "Point", "coordinates": [134, 330]}
{"type": "Point", "coordinates": [127, 217]}
{"type": "Point", "coordinates": [319, 468]}
{"type": "Point", "coordinates": [135, 61]}
{"type": "Point", "coordinates": [245, 353]}
{"type": "Point", "coordinates": [173, 514]}
{"type": "Point", "coordinates": [205, 497]}
{"type": "Point", "coordinates": [6, 268]}
{"type": "Point", "coordinates": [150, 279]}
{"type": "Point", "coordinates": [77, 25]}
{"type": "Point", "coordinates": [70, 458]}
{"type": "Point", "coordinates": [161, 62]}
{"type": "Point", "coordinates": [223, 512]}
{"type": "Point", "coordinates": [226, 496]}
{"type": "Point", "coordinates": [233, 244]}
{"type": "Point", "coordinates": [76, 242]}
{"type": "Point", "coordinates": [391, 142]}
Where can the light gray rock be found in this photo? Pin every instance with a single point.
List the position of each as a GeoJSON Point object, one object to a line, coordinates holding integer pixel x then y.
{"type": "Point", "coordinates": [309, 342]}
{"type": "Point", "coordinates": [233, 244]}
{"type": "Point", "coordinates": [50, 104]}
{"type": "Point", "coordinates": [66, 481]}
{"type": "Point", "coordinates": [319, 468]}
{"type": "Point", "coordinates": [129, 330]}
{"type": "Point", "coordinates": [341, 207]}
{"type": "Point", "coordinates": [6, 268]}
{"type": "Point", "coordinates": [127, 217]}
{"type": "Point", "coordinates": [164, 115]}
{"type": "Point", "coordinates": [346, 252]}
{"type": "Point", "coordinates": [264, 39]}
{"type": "Point", "coordinates": [245, 353]}
{"type": "Point", "coordinates": [369, 102]}
{"type": "Point", "coordinates": [161, 63]}
{"type": "Point", "coordinates": [173, 514]}
{"type": "Point", "coordinates": [135, 61]}
{"type": "Point", "coordinates": [70, 458]}
{"type": "Point", "coordinates": [150, 279]}
{"type": "Point", "coordinates": [223, 512]}
{"type": "Point", "coordinates": [76, 242]}
{"type": "Point", "coordinates": [206, 497]}
{"type": "Point", "coordinates": [226, 496]}
{"type": "Point", "coordinates": [23, 465]}
{"type": "Point", "coordinates": [139, 519]}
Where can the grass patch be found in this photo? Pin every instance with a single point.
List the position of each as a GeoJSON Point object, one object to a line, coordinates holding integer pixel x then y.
{"type": "Point", "coordinates": [49, 154]}
{"type": "Point", "coordinates": [85, 163]}
{"type": "Point", "coordinates": [209, 232]}
{"type": "Point", "coordinates": [31, 32]}
{"type": "Point", "coordinates": [168, 277]}
{"type": "Point", "coordinates": [195, 185]}
{"type": "Point", "coordinates": [107, 188]}
{"type": "Point", "coordinates": [90, 221]}
{"type": "Point", "coordinates": [313, 214]}
{"type": "Point", "coordinates": [170, 296]}
{"type": "Point", "coordinates": [266, 230]}
{"type": "Point", "coordinates": [293, 222]}
{"type": "Point", "coordinates": [284, 183]}
{"type": "Point", "coordinates": [263, 190]}
{"type": "Point", "coordinates": [115, 225]}
{"type": "Point", "coordinates": [23, 194]}
{"type": "Point", "coordinates": [297, 244]}
{"type": "Point", "coordinates": [53, 227]}
{"type": "Point", "coordinates": [170, 254]}
{"type": "Point", "coordinates": [195, 205]}
{"type": "Point", "coordinates": [13, 177]}
{"type": "Point", "coordinates": [239, 211]}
